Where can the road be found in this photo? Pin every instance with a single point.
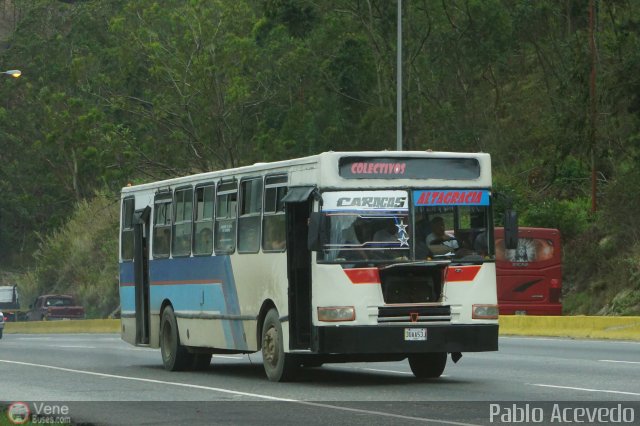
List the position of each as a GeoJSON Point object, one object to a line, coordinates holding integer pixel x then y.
{"type": "Point", "coordinates": [106, 381]}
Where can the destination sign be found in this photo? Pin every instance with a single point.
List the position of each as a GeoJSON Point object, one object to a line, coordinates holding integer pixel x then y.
{"type": "Point", "coordinates": [409, 168]}
{"type": "Point", "coordinates": [478, 197]}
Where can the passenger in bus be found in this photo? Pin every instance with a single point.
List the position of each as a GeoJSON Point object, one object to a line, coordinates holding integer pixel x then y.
{"type": "Point", "coordinates": [422, 229]}
{"type": "Point", "coordinates": [352, 247]}
{"type": "Point", "coordinates": [389, 232]}
{"type": "Point", "coordinates": [204, 243]}
{"type": "Point", "coordinates": [481, 243]}
{"type": "Point", "coordinates": [274, 237]}
{"type": "Point", "coordinates": [161, 243]}
{"type": "Point", "coordinates": [438, 241]}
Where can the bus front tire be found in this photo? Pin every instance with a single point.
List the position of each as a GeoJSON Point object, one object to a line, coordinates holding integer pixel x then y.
{"type": "Point", "coordinates": [278, 365]}
{"type": "Point", "coordinates": [175, 357]}
{"type": "Point", "coordinates": [429, 365]}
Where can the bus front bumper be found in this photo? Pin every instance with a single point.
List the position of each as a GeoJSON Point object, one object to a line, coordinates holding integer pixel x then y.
{"type": "Point", "coordinates": [392, 340]}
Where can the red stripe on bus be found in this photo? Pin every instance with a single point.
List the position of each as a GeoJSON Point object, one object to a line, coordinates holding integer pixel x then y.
{"type": "Point", "coordinates": [127, 284]}
{"type": "Point", "coordinates": [363, 275]}
{"type": "Point", "coordinates": [462, 273]}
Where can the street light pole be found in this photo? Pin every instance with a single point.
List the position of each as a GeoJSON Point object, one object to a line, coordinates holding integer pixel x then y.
{"type": "Point", "coordinates": [399, 81]}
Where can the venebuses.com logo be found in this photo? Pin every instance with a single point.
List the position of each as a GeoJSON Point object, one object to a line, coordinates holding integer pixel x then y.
{"type": "Point", "coordinates": [18, 413]}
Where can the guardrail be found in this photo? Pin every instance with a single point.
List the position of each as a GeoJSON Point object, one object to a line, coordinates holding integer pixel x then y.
{"type": "Point", "coordinates": [580, 327]}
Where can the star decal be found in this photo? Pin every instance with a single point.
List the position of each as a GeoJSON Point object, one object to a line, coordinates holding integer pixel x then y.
{"type": "Point", "coordinates": [404, 240]}
{"type": "Point", "coordinates": [402, 228]}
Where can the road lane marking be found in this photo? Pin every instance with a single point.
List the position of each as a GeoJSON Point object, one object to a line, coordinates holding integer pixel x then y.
{"type": "Point", "coordinates": [622, 362]}
{"type": "Point", "coordinates": [73, 346]}
{"type": "Point", "coordinates": [379, 370]}
{"type": "Point", "coordinates": [574, 340]}
{"type": "Point", "coordinates": [229, 391]}
{"type": "Point", "coordinates": [386, 371]}
{"type": "Point", "coordinates": [585, 389]}
{"type": "Point", "coordinates": [370, 369]}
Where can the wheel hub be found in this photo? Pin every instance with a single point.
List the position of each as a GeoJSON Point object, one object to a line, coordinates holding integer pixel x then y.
{"type": "Point", "coordinates": [270, 346]}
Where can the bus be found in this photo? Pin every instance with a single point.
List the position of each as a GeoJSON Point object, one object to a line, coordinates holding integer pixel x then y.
{"type": "Point", "coordinates": [530, 277]}
{"type": "Point", "coordinates": [335, 257]}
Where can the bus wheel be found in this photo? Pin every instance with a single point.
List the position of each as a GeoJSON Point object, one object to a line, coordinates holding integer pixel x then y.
{"type": "Point", "coordinates": [175, 357]}
{"type": "Point", "coordinates": [201, 362]}
{"type": "Point", "coordinates": [279, 366]}
{"type": "Point", "coordinates": [429, 365]}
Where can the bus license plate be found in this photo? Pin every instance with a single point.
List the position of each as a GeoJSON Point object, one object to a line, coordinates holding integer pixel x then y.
{"type": "Point", "coordinates": [415, 334]}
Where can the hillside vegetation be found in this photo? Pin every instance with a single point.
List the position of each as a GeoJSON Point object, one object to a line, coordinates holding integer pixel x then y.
{"type": "Point", "coordinates": [132, 91]}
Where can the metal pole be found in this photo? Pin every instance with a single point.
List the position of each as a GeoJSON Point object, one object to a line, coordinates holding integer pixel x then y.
{"type": "Point", "coordinates": [592, 106]}
{"type": "Point", "coordinates": [399, 81]}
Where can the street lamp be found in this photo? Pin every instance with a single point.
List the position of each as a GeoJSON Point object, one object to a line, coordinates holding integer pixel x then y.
{"type": "Point", "coordinates": [12, 73]}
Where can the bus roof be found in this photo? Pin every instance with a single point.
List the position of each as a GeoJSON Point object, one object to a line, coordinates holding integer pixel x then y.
{"type": "Point", "coordinates": [330, 170]}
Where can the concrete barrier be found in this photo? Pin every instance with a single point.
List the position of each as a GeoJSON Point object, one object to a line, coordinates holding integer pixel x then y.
{"type": "Point", "coordinates": [579, 327]}
{"type": "Point", "coordinates": [64, 326]}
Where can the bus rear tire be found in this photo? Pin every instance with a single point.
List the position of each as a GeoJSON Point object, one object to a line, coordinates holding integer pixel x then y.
{"type": "Point", "coordinates": [429, 365]}
{"type": "Point", "coordinates": [175, 357]}
{"type": "Point", "coordinates": [278, 365]}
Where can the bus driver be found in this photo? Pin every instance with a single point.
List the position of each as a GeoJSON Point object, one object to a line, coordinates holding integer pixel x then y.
{"type": "Point", "coordinates": [438, 241]}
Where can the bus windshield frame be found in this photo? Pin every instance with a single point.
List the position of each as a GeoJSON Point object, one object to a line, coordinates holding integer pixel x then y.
{"type": "Point", "coordinates": [390, 226]}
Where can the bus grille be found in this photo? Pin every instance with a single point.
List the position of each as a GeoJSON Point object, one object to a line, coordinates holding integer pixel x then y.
{"type": "Point", "coordinates": [413, 314]}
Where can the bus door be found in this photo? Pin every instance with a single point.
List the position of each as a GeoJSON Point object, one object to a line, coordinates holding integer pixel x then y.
{"type": "Point", "coordinates": [298, 207]}
{"type": "Point", "coordinates": [141, 273]}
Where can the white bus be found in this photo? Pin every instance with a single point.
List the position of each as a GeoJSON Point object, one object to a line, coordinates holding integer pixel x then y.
{"type": "Point", "coordinates": [336, 257]}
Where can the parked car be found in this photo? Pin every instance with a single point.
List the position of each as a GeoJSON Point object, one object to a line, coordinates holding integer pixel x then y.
{"type": "Point", "coordinates": [1, 324]}
{"type": "Point", "coordinates": [55, 307]}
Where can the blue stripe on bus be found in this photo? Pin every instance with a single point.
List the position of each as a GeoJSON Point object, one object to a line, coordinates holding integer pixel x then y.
{"type": "Point", "coordinates": [127, 290]}
{"type": "Point", "coordinates": [183, 281]}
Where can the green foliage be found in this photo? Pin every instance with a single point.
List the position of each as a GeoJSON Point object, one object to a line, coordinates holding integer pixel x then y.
{"type": "Point", "coordinates": [119, 91]}
{"type": "Point", "coordinates": [80, 258]}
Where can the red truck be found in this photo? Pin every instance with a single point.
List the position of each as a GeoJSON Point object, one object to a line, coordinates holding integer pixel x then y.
{"type": "Point", "coordinates": [55, 307]}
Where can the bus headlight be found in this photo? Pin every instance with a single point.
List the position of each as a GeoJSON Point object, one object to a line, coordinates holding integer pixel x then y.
{"type": "Point", "coordinates": [484, 312]}
{"type": "Point", "coordinates": [336, 313]}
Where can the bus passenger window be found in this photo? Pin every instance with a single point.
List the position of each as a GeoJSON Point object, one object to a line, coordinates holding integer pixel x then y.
{"type": "Point", "coordinates": [273, 221]}
{"type": "Point", "coordinates": [249, 221]}
{"type": "Point", "coordinates": [182, 226]}
{"type": "Point", "coordinates": [203, 226]}
{"type": "Point", "coordinates": [274, 233]}
{"type": "Point", "coordinates": [225, 223]}
{"type": "Point", "coordinates": [204, 241]}
{"type": "Point", "coordinates": [161, 240]}
{"type": "Point", "coordinates": [162, 226]}
{"type": "Point", "coordinates": [126, 251]}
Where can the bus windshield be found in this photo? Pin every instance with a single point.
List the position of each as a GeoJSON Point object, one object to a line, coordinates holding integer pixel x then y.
{"type": "Point", "coordinates": [392, 226]}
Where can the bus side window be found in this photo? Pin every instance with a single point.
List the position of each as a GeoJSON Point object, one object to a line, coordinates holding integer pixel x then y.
{"type": "Point", "coordinates": [249, 220]}
{"type": "Point", "coordinates": [162, 226]}
{"type": "Point", "coordinates": [203, 227]}
{"type": "Point", "coordinates": [183, 222]}
{"type": "Point", "coordinates": [273, 222]}
{"type": "Point", "coordinates": [126, 250]}
{"type": "Point", "coordinates": [225, 222]}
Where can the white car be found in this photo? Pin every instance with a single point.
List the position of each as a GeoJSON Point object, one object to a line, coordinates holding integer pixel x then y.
{"type": "Point", "coordinates": [1, 323]}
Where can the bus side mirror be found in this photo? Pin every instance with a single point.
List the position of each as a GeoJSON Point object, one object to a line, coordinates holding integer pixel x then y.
{"type": "Point", "coordinates": [510, 229]}
{"type": "Point", "coordinates": [316, 231]}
